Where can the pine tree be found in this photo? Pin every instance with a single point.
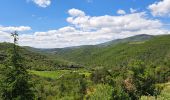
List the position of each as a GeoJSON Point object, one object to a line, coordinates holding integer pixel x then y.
{"type": "Point", "coordinates": [16, 84]}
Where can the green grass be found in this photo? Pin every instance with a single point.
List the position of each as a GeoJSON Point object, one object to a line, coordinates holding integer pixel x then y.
{"type": "Point", "coordinates": [83, 72]}
{"type": "Point", "coordinates": [165, 95]}
{"type": "Point", "coordinates": [50, 74]}
{"type": "Point", "coordinates": [59, 73]}
{"type": "Point", "coordinates": [87, 74]}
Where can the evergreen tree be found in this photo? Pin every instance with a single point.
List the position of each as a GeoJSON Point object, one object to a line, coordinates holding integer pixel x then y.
{"type": "Point", "coordinates": [16, 84]}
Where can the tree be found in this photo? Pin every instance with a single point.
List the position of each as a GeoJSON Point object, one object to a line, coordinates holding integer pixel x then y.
{"type": "Point", "coordinates": [144, 79]}
{"type": "Point", "coordinates": [16, 84]}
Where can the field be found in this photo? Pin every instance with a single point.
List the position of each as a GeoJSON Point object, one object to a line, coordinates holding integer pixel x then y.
{"type": "Point", "coordinates": [59, 73]}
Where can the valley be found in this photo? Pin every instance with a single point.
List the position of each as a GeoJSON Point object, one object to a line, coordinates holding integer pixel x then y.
{"type": "Point", "coordinates": [127, 68]}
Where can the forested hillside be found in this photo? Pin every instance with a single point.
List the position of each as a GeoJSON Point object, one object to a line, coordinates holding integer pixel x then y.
{"type": "Point", "coordinates": [33, 60]}
{"type": "Point", "coordinates": [155, 51]}
{"type": "Point", "coordinates": [128, 69]}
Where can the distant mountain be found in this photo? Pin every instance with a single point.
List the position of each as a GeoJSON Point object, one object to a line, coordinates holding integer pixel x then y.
{"type": "Point", "coordinates": [137, 38]}
{"type": "Point", "coordinates": [150, 49]}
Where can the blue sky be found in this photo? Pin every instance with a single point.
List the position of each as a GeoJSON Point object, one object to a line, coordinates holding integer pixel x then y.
{"type": "Point", "coordinates": [24, 12]}
{"type": "Point", "coordinates": [41, 21]}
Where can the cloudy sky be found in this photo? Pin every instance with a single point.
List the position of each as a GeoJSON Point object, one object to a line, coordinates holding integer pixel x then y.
{"type": "Point", "coordinates": [64, 23]}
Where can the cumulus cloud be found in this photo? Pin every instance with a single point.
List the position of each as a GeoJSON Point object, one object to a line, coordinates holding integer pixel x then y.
{"type": "Point", "coordinates": [76, 38]}
{"type": "Point", "coordinates": [89, 30]}
{"type": "Point", "coordinates": [121, 12]}
{"type": "Point", "coordinates": [76, 12]}
{"type": "Point", "coordinates": [5, 37]}
{"type": "Point", "coordinates": [161, 8]}
{"type": "Point", "coordinates": [12, 28]}
{"type": "Point", "coordinates": [116, 23]}
{"type": "Point", "coordinates": [42, 3]}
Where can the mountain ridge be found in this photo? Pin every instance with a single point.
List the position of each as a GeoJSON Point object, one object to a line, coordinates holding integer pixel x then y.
{"type": "Point", "coordinates": [113, 53]}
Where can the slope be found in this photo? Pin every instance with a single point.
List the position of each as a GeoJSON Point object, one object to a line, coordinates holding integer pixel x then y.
{"type": "Point", "coordinates": [154, 50]}
{"type": "Point", "coordinates": [33, 60]}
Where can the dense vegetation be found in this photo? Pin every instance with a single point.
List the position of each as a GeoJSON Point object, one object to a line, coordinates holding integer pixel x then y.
{"type": "Point", "coordinates": [126, 69]}
{"type": "Point", "coordinates": [15, 80]}
{"type": "Point", "coordinates": [33, 60]}
{"type": "Point", "coordinates": [155, 51]}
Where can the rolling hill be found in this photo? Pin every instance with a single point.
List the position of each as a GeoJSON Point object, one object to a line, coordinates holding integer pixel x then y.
{"type": "Point", "coordinates": [140, 63]}
{"type": "Point", "coordinates": [150, 49]}
{"type": "Point", "coordinates": [33, 59]}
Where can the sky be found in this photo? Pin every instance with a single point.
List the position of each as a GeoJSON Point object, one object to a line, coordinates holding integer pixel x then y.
{"type": "Point", "coordinates": [65, 23]}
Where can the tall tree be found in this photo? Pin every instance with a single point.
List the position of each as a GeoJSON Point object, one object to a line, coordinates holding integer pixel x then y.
{"type": "Point", "coordinates": [16, 84]}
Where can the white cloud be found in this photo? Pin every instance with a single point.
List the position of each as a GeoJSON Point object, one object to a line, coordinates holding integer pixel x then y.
{"type": "Point", "coordinates": [161, 8]}
{"type": "Point", "coordinates": [58, 40]}
{"type": "Point", "coordinates": [133, 10]}
{"type": "Point", "coordinates": [12, 28]}
{"type": "Point", "coordinates": [89, 30]}
{"type": "Point", "coordinates": [121, 12]}
{"type": "Point", "coordinates": [116, 23]}
{"type": "Point", "coordinates": [5, 37]}
{"type": "Point", "coordinates": [76, 12]}
{"type": "Point", "coordinates": [42, 3]}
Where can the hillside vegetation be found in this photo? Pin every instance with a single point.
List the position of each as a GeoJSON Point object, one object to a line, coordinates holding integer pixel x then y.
{"type": "Point", "coordinates": [153, 51]}
{"type": "Point", "coordinates": [128, 69]}
{"type": "Point", "coordinates": [33, 59]}
{"type": "Point", "coordinates": [131, 67]}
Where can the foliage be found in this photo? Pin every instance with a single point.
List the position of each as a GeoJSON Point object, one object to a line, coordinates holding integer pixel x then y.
{"type": "Point", "coordinates": [101, 92]}
{"type": "Point", "coordinates": [154, 51]}
{"type": "Point", "coordinates": [15, 79]}
{"type": "Point", "coordinates": [142, 79]}
{"type": "Point", "coordinates": [33, 60]}
{"type": "Point", "coordinates": [71, 86]}
{"type": "Point", "coordinates": [126, 70]}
